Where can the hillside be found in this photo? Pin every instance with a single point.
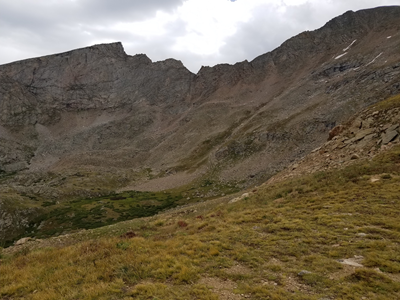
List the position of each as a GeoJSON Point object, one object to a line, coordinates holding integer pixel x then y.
{"type": "Point", "coordinates": [330, 234]}
{"type": "Point", "coordinates": [79, 127]}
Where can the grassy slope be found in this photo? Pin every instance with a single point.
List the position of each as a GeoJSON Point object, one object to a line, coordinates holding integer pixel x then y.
{"type": "Point", "coordinates": [255, 247]}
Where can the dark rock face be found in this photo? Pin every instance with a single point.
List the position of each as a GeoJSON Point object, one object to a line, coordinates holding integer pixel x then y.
{"type": "Point", "coordinates": [98, 108]}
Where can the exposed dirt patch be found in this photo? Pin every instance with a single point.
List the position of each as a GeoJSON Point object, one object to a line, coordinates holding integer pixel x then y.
{"type": "Point", "coordinates": [394, 277]}
{"type": "Point", "coordinates": [238, 270]}
{"type": "Point", "coordinates": [344, 272]}
{"type": "Point", "coordinates": [224, 288]}
{"type": "Point", "coordinates": [291, 284]}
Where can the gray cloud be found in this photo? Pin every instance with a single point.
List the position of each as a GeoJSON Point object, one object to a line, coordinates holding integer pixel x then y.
{"type": "Point", "coordinates": [41, 27]}
{"type": "Point", "coordinates": [34, 28]}
{"type": "Point", "coordinates": [124, 10]}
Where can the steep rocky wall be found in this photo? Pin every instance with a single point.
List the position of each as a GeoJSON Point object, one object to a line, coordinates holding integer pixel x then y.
{"type": "Point", "coordinates": [79, 107]}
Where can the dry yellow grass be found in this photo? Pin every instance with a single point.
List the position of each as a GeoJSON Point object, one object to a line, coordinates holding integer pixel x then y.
{"type": "Point", "coordinates": [309, 223]}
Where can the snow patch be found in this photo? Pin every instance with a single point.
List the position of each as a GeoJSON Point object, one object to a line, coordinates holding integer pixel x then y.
{"type": "Point", "coordinates": [339, 56]}
{"type": "Point", "coordinates": [372, 61]}
{"type": "Point", "coordinates": [389, 37]}
{"type": "Point", "coordinates": [348, 47]}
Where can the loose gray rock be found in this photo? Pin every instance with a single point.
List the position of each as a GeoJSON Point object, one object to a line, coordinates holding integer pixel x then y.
{"type": "Point", "coordinates": [389, 136]}
{"type": "Point", "coordinates": [393, 127]}
{"type": "Point", "coordinates": [303, 272]}
{"type": "Point", "coordinates": [354, 262]}
{"type": "Point", "coordinates": [239, 198]}
{"type": "Point", "coordinates": [361, 134]}
{"type": "Point", "coordinates": [22, 241]}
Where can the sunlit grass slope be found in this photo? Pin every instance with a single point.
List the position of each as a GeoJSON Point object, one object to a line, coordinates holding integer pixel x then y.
{"type": "Point", "coordinates": [284, 241]}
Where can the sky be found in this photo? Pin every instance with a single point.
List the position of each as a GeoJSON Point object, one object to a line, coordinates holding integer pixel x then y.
{"type": "Point", "coordinates": [197, 32]}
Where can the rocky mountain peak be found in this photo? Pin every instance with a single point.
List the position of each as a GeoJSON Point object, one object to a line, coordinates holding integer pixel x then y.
{"type": "Point", "coordinates": [346, 28]}
{"type": "Point", "coordinates": [110, 50]}
{"type": "Point", "coordinates": [97, 77]}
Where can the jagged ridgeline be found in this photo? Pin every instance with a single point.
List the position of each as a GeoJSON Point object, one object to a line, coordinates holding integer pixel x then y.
{"type": "Point", "coordinates": [91, 122]}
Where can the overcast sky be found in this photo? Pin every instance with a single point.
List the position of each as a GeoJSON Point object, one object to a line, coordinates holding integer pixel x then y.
{"type": "Point", "coordinates": [197, 32]}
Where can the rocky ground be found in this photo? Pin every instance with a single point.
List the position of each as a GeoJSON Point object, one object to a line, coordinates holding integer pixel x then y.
{"type": "Point", "coordinates": [374, 130]}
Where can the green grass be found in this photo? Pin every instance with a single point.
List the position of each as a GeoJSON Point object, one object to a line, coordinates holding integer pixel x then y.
{"type": "Point", "coordinates": [63, 217]}
{"type": "Point", "coordinates": [101, 211]}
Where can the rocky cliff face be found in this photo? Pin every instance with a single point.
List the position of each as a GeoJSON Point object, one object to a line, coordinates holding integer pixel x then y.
{"type": "Point", "coordinates": [112, 116]}
{"type": "Point", "coordinates": [37, 91]}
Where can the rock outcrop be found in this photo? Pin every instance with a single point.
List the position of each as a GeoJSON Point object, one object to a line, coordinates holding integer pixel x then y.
{"type": "Point", "coordinates": [367, 134]}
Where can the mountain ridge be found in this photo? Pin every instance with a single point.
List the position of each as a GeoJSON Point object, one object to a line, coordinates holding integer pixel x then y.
{"type": "Point", "coordinates": [364, 17]}
{"type": "Point", "coordinates": [126, 122]}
